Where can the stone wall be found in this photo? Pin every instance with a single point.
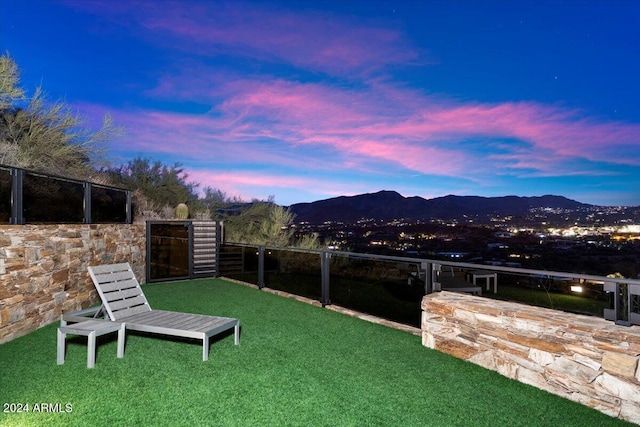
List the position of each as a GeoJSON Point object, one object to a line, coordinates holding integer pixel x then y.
{"type": "Point", "coordinates": [582, 358]}
{"type": "Point", "coordinates": [43, 269]}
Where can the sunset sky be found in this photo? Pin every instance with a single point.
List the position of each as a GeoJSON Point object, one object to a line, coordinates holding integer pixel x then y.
{"type": "Point", "coordinates": [306, 100]}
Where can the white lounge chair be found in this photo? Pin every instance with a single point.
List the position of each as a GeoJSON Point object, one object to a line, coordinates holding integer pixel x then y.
{"type": "Point", "coordinates": [124, 302]}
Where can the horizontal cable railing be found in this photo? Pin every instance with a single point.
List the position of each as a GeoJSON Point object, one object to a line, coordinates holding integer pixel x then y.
{"type": "Point", "coordinates": [392, 287]}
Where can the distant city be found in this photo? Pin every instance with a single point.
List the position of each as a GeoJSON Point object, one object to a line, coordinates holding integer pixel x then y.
{"type": "Point", "coordinates": [584, 239]}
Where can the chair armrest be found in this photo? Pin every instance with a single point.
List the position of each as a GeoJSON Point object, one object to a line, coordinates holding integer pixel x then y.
{"type": "Point", "coordinates": [82, 315]}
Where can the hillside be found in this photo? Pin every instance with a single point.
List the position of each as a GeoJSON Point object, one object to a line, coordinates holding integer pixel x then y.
{"type": "Point", "coordinates": [388, 205]}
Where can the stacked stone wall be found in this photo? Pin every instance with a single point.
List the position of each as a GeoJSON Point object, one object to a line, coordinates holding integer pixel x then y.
{"type": "Point", "coordinates": [585, 359]}
{"type": "Point", "coordinates": [43, 269]}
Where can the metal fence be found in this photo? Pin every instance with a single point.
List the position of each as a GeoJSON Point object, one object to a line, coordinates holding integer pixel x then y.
{"type": "Point", "coordinates": [392, 287]}
{"type": "Point", "coordinates": [182, 249]}
{"type": "Point", "coordinates": [33, 197]}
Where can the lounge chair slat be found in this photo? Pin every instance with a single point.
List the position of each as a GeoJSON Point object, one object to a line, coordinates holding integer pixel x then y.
{"type": "Point", "coordinates": [113, 276]}
{"type": "Point", "coordinates": [110, 268]}
{"type": "Point", "coordinates": [116, 286]}
{"type": "Point", "coordinates": [127, 303]}
{"type": "Point", "coordinates": [130, 311]}
{"type": "Point", "coordinates": [127, 293]}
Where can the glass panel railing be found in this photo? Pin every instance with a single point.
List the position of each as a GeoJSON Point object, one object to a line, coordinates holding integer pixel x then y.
{"type": "Point", "coordinates": [5, 195]}
{"type": "Point", "coordinates": [52, 200]}
{"type": "Point", "coordinates": [393, 287]}
{"type": "Point", "coordinates": [295, 272]}
{"type": "Point", "coordinates": [108, 205]}
{"type": "Point", "coordinates": [559, 293]}
{"type": "Point", "coordinates": [38, 198]}
{"type": "Point", "coordinates": [168, 251]}
{"type": "Point", "coordinates": [387, 289]}
{"type": "Point", "coordinates": [239, 263]}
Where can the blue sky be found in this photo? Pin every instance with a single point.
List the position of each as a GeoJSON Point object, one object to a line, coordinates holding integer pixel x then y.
{"type": "Point", "coordinates": [306, 100]}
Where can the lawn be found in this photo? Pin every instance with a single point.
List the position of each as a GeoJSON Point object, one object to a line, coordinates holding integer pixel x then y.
{"type": "Point", "coordinates": [296, 365]}
{"type": "Point", "coordinates": [557, 301]}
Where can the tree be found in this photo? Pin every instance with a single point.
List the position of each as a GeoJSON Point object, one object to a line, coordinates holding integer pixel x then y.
{"type": "Point", "coordinates": [10, 91]}
{"type": "Point", "coordinates": [265, 223]}
{"type": "Point", "coordinates": [215, 204]}
{"type": "Point", "coordinates": [158, 188]}
{"type": "Point", "coordinates": [46, 136]}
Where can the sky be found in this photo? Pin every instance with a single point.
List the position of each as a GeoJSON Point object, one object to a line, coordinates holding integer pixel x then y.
{"type": "Point", "coordinates": [308, 100]}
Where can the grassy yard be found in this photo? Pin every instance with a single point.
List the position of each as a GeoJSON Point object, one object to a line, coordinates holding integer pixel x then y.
{"type": "Point", "coordinates": [296, 365]}
{"type": "Point", "coordinates": [557, 301]}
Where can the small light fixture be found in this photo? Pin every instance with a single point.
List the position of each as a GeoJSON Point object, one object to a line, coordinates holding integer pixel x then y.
{"type": "Point", "coordinates": [576, 288]}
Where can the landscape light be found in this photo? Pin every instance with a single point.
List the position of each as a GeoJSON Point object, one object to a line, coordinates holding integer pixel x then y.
{"type": "Point", "coordinates": [576, 288]}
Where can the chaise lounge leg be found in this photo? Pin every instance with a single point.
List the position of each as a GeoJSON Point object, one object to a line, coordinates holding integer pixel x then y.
{"type": "Point", "coordinates": [61, 347]}
{"type": "Point", "coordinates": [205, 349]}
{"type": "Point", "coordinates": [236, 331]}
{"type": "Point", "coordinates": [91, 352]}
{"type": "Point", "coordinates": [121, 338]}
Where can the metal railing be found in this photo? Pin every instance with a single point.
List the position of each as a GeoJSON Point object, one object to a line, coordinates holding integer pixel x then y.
{"type": "Point", "coordinates": [33, 197]}
{"type": "Point", "coordinates": [392, 287]}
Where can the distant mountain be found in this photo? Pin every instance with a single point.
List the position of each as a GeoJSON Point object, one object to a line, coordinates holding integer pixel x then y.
{"type": "Point", "coordinates": [388, 205]}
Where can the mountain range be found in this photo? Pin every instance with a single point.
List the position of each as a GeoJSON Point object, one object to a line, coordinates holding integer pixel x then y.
{"type": "Point", "coordinates": [389, 205]}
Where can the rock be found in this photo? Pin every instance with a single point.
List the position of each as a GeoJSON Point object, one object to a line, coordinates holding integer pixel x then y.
{"type": "Point", "coordinates": [16, 314]}
{"type": "Point", "coordinates": [620, 364]}
{"type": "Point", "coordinates": [587, 361]}
{"type": "Point", "coordinates": [550, 344]}
{"type": "Point", "coordinates": [456, 348]}
{"type": "Point", "coordinates": [535, 379]}
{"type": "Point", "coordinates": [486, 359]}
{"type": "Point", "coordinates": [630, 411]}
{"type": "Point", "coordinates": [573, 369]}
{"type": "Point", "coordinates": [625, 390]}
{"type": "Point", "coordinates": [507, 367]}
{"type": "Point", "coordinates": [541, 357]}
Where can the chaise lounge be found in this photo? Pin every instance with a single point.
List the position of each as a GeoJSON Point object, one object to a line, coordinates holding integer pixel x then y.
{"type": "Point", "coordinates": [124, 302]}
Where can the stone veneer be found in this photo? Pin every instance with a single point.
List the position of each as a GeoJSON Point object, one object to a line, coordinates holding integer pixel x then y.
{"type": "Point", "coordinates": [586, 359]}
{"type": "Point", "coordinates": [43, 269]}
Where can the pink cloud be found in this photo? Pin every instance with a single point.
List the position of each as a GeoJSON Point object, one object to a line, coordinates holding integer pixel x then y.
{"type": "Point", "coordinates": [248, 185]}
{"type": "Point", "coordinates": [264, 122]}
{"type": "Point", "coordinates": [356, 121]}
{"type": "Point", "coordinates": [361, 122]}
{"type": "Point", "coordinates": [547, 129]}
{"type": "Point", "coordinates": [318, 41]}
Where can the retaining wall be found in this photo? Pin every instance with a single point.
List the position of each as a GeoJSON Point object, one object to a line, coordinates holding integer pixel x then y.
{"type": "Point", "coordinates": [43, 269]}
{"type": "Point", "coordinates": [585, 359]}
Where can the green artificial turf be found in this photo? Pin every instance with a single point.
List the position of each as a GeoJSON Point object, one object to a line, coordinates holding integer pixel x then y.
{"type": "Point", "coordinates": [296, 365]}
{"type": "Point", "coordinates": [557, 301]}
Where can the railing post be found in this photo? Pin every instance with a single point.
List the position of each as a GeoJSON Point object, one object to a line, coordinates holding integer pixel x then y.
{"type": "Point", "coordinates": [634, 304]}
{"type": "Point", "coordinates": [427, 268]}
{"type": "Point", "coordinates": [129, 214]}
{"type": "Point", "coordinates": [433, 274]}
{"type": "Point", "coordinates": [622, 312]}
{"type": "Point", "coordinates": [260, 267]}
{"type": "Point", "coordinates": [218, 246]}
{"type": "Point", "coordinates": [325, 258]}
{"type": "Point", "coordinates": [622, 304]}
{"type": "Point", "coordinates": [189, 226]}
{"type": "Point", "coordinates": [87, 203]}
{"type": "Point", "coordinates": [16, 196]}
{"type": "Point", "coordinates": [612, 312]}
